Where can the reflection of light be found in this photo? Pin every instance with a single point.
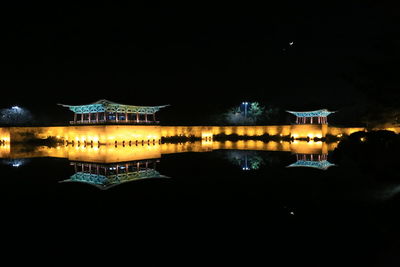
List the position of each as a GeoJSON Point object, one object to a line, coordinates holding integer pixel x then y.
{"type": "Point", "coordinates": [17, 163]}
{"type": "Point", "coordinates": [362, 139]}
{"type": "Point", "coordinates": [245, 168]}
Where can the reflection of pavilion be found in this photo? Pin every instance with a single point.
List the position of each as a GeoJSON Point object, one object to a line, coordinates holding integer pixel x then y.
{"type": "Point", "coordinates": [318, 161]}
{"type": "Point", "coordinates": [105, 176]}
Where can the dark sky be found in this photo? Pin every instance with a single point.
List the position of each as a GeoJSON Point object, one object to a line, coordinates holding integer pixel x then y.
{"type": "Point", "coordinates": [199, 57]}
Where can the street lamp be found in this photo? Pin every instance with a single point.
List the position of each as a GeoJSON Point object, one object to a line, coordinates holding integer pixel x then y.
{"type": "Point", "coordinates": [246, 166]}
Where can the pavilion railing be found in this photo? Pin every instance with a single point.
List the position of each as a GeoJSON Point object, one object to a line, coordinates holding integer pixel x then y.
{"type": "Point", "coordinates": [113, 122]}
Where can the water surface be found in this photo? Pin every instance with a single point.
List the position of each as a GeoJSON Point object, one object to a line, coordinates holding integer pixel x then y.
{"type": "Point", "coordinates": [291, 193]}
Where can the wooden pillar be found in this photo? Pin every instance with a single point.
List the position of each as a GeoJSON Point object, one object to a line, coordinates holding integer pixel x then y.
{"type": "Point", "coordinates": [75, 118]}
{"type": "Point", "coordinates": [297, 120]}
{"type": "Point", "coordinates": [81, 117]}
{"type": "Point", "coordinates": [105, 116]}
{"type": "Point", "coordinates": [154, 117]}
{"type": "Point", "coordinates": [312, 119]}
{"type": "Point", "coordinates": [97, 117]}
{"type": "Point", "coordinates": [116, 116]}
{"type": "Point", "coordinates": [137, 117]}
{"type": "Point", "coordinates": [90, 115]}
{"type": "Point", "coordinates": [145, 117]}
{"type": "Point", "coordinates": [126, 117]}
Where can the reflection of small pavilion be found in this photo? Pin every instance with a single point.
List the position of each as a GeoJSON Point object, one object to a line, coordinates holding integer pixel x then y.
{"type": "Point", "coordinates": [105, 176]}
{"type": "Point", "coordinates": [318, 161]}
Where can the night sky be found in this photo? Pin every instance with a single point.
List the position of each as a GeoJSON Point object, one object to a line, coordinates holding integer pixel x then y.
{"type": "Point", "coordinates": [200, 57]}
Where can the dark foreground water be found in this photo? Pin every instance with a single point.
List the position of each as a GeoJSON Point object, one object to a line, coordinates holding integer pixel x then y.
{"type": "Point", "coordinates": [213, 208]}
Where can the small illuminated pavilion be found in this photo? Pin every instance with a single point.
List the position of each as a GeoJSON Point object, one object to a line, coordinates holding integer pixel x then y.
{"type": "Point", "coordinates": [104, 111]}
{"type": "Point", "coordinates": [312, 117]}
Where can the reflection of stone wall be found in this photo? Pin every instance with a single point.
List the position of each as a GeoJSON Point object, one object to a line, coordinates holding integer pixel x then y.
{"type": "Point", "coordinates": [111, 153]}
{"type": "Point", "coordinates": [4, 150]}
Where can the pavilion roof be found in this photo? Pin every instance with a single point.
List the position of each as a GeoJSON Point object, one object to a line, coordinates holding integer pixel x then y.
{"type": "Point", "coordinates": [104, 105]}
{"type": "Point", "coordinates": [322, 165]}
{"type": "Point", "coordinates": [313, 113]}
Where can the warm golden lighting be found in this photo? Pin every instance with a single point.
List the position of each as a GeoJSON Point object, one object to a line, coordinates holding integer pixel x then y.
{"type": "Point", "coordinates": [111, 153]}
{"type": "Point", "coordinates": [109, 134]}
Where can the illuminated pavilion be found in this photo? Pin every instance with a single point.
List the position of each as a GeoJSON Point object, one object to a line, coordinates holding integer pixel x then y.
{"type": "Point", "coordinates": [104, 111]}
{"type": "Point", "coordinates": [104, 176]}
{"type": "Point", "coordinates": [312, 117]}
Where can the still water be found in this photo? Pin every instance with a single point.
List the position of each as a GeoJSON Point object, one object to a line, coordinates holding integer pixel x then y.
{"type": "Point", "coordinates": [294, 190]}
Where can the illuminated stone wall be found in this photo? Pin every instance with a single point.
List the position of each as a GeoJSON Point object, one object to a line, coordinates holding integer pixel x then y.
{"type": "Point", "coordinates": [297, 130]}
{"type": "Point", "coordinates": [343, 131]}
{"type": "Point", "coordinates": [105, 134]}
{"type": "Point", "coordinates": [4, 135]}
{"type": "Point", "coordinates": [388, 127]}
{"type": "Point", "coordinates": [109, 134]}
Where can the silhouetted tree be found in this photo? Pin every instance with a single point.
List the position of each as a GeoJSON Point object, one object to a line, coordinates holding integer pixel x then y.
{"type": "Point", "coordinates": [255, 114]}
{"type": "Point", "coordinates": [15, 116]}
